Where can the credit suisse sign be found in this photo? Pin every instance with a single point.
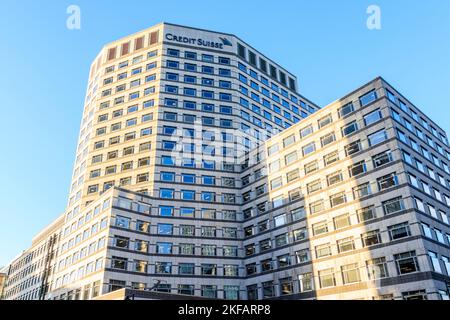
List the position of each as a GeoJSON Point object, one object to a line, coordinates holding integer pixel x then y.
{"type": "Point", "coordinates": [199, 41]}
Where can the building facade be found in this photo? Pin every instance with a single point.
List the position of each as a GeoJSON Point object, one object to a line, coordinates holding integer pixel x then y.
{"type": "Point", "coordinates": [28, 276]}
{"type": "Point", "coordinates": [185, 99]}
{"type": "Point", "coordinates": [3, 277]}
{"type": "Point", "coordinates": [353, 204]}
{"type": "Point", "coordinates": [201, 171]}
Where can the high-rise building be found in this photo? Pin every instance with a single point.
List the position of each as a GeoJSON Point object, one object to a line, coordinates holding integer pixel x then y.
{"type": "Point", "coordinates": [201, 171]}
{"type": "Point", "coordinates": [148, 91]}
{"type": "Point", "coordinates": [169, 113]}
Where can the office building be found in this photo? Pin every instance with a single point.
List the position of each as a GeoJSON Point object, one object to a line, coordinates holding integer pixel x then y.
{"type": "Point", "coordinates": [28, 276]}
{"type": "Point", "coordinates": [201, 171]}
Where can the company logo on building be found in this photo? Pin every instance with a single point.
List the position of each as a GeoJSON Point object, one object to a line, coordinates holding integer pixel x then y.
{"type": "Point", "coordinates": [200, 42]}
{"type": "Point", "coordinates": [226, 42]}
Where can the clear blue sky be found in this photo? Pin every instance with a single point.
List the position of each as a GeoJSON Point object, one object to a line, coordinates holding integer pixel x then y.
{"type": "Point", "coordinates": [325, 43]}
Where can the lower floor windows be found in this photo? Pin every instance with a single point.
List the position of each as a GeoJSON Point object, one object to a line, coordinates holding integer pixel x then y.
{"type": "Point", "coordinates": [366, 214]}
{"type": "Point", "coordinates": [163, 267]}
{"type": "Point", "coordinates": [326, 278]}
{"type": "Point", "coordinates": [399, 231]}
{"type": "Point", "coordinates": [435, 261]}
{"type": "Point", "coordinates": [387, 181]}
{"type": "Point", "coordinates": [323, 250]}
{"type": "Point", "coordinates": [209, 291]}
{"type": "Point", "coordinates": [415, 295]}
{"type": "Point", "coordinates": [393, 205]}
{"type": "Point", "coordinates": [345, 245]}
{"type": "Point", "coordinates": [231, 292]}
{"type": "Point", "coordinates": [286, 286]}
{"type": "Point", "coordinates": [406, 262]}
{"type": "Point", "coordinates": [95, 289]}
{"type": "Point", "coordinates": [164, 287]}
{"type": "Point", "coordinates": [252, 292]}
{"type": "Point", "coordinates": [377, 268]}
{"type": "Point", "coordinates": [371, 238]}
{"type": "Point", "coordinates": [116, 284]}
{"type": "Point", "coordinates": [140, 266]}
{"type": "Point", "coordinates": [350, 273]}
{"type": "Point", "coordinates": [186, 268]}
{"type": "Point", "coordinates": [268, 289]}
{"type": "Point", "coordinates": [187, 289]}
{"type": "Point", "coordinates": [305, 282]}
{"type": "Point", "coordinates": [119, 263]}
{"type": "Point", "coordinates": [444, 295]}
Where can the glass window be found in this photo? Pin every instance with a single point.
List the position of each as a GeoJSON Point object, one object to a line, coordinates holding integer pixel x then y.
{"type": "Point", "coordinates": [288, 141]}
{"type": "Point", "coordinates": [173, 52]}
{"type": "Point", "coordinates": [298, 214]}
{"type": "Point", "coordinates": [172, 64]}
{"type": "Point", "coordinates": [167, 161]}
{"type": "Point", "coordinates": [371, 238]}
{"type": "Point", "coordinates": [163, 267]}
{"type": "Point", "coordinates": [305, 282]}
{"type": "Point", "coordinates": [320, 228]}
{"type": "Point", "coordinates": [276, 183]}
{"type": "Point", "coordinates": [325, 121]}
{"type": "Point", "coordinates": [316, 207]}
{"type": "Point", "coordinates": [299, 234]}
{"type": "Point", "coordinates": [186, 268]}
{"type": "Point", "coordinates": [446, 262]}
{"type": "Point", "coordinates": [306, 132]}
{"type": "Point", "coordinates": [291, 157]}
{"type": "Point", "coordinates": [345, 245]}
{"type": "Point", "coordinates": [368, 98]}
{"type": "Point", "coordinates": [349, 129]}
{"type": "Point", "coordinates": [314, 186]}
{"type": "Point", "coordinates": [168, 176]}
{"type": "Point", "coordinates": [168, 145]}
{"type": "Point", "coordinates": [341, 221]}
{"type": "Point", "coordinates": [309, 149]}
{"type": "Point", "coordinates": [188, 178]}
{"type": "Point", "coordinates": [326, 278]}
{"type": "Point", "coordinates": [406, 262]}
{"type": "Point", "coordinates": [357, 169]}
{"type": "Point", "coordinates": [166, 211]}
{"type": "Point", "coordinates": [165, 229]}
{"type": "Point", "coordinates": [346, 109]}
{"type": "Point", "coordinates": [372, 117]}
{"type": "Point", "coordinates": [435, 261]}
{"type": "Point", "coordinates": [399, 231]}
{"type": "Point", "coordinates": [377, 268]}
{"type": "Point", "coordinates": [187, 289]}
{"type": "Point", "coordinates": [331, 158]}
{"type": "Point", "coordinates": [187, 195]}
{"type": "Point", "coordinates": [353, 148]}
{"type": "Point", "coordinates": [123, 222]}
{"type": "Point", "coordinates": [327, 139]}
{"type": "Point", "coordinates": [293, 175]}
{"type": "Point", "coordinates": [208, 196]}
{"type": "Point", "coordinates": [350, 273]}
{"type": "Point", "coordinates": [387, 181]}
{"type": "Point", "coordinates": [190, 67]}
{"type": "Point", "coordinates": [362, 190]}
{"type": "Point", "coordinates": [224, 60]}
{"type": "Point", "coordinates": [377, 137]}
{"type": "Point", "coordinates": [166, 193]}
